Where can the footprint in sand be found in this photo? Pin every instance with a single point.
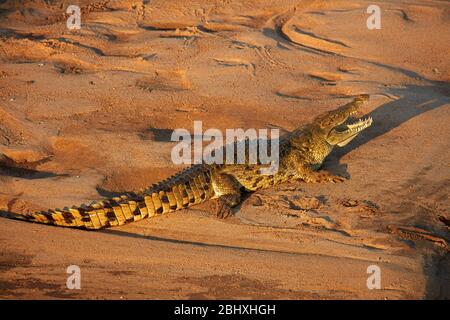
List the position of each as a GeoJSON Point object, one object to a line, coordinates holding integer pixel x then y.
{"type": "Point", "coordinates": [364, 207]}
{"type": "Point", "coordinates": [284, 210]}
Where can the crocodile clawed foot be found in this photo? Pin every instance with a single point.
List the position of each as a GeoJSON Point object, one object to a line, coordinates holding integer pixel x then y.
{"type": "Point", "coordinates": [336, 179]}
{"type": "Point", "coordinates": [225, 204]}
{"type": "Point", "coordinates": [327, 177]}
{"type": "Point", "coordinates": [223, 210]}
{"type": "Point", "coordinates": [324, 176]}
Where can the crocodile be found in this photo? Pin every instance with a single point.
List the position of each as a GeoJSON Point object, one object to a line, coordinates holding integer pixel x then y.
{"type": "Point", "coordinates": [301, 154]}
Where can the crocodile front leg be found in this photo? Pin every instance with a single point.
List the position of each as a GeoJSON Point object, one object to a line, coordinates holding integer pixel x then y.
{"type": "Point", "coordinates": [228, 192]}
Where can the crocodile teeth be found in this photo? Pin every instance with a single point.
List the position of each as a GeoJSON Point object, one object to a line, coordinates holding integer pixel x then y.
{"type": "Point", "coordinates": [360, 125]}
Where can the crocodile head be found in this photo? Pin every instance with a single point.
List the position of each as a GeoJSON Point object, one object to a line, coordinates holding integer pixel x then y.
{"type": "Point", "coordinates": [338, 127]}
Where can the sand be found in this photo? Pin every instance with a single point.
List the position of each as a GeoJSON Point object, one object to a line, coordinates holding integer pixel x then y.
{"type": "Point", "coordinates": [86, 114]}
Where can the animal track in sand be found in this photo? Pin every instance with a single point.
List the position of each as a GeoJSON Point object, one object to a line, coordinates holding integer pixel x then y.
{"type": "Point", "coordinates": [291, 202]}
{"type": "Point", "coordinates": [284, 210]}
{"type": "Point", "coordinates": [263, 51]}
{"type": "Point", "coordinates": [302, 203]}
{"type": "Point", "coordinates": [359, 206]}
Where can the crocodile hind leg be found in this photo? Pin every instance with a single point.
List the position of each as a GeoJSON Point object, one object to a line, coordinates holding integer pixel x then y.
{"type": "Point", "coordinates": [228, 192]}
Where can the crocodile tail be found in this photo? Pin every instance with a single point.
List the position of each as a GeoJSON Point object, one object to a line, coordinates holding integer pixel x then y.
{"type": "Point", "coordinates": [167, 196]}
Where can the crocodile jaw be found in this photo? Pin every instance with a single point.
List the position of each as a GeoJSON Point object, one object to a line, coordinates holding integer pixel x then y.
{"type": "Point", "coordinates": [343, 137]}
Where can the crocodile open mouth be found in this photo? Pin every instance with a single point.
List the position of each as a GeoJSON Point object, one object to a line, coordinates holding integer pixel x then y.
{"type": "Point", "coordinates": [359, 124]}
{"type": "Point", "coordinates": [345, 132]}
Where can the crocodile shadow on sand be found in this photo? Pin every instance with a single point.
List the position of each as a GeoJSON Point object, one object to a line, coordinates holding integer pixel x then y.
{"type": "Point", "coordinates": [414, 100]}
{"type": "Point", "coordinates": [126, 234]}
{"type": "Point", "coordinates": [437, 271]}
{"type": "Point", "coordinates": [121, 233]}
